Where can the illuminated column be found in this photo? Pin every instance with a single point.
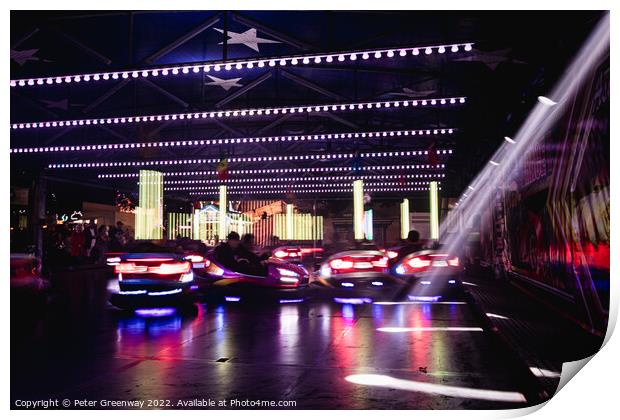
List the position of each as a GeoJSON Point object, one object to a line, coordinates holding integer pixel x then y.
{"type": "Point", "coordinates": [223, 231]}
{"type": "Point", "coordinates": [289, 221]}
{"type": "Point", "coordinates": [358, 209]}
{"type": "Point", "coordinates": [150, 213]}
{"type": "Point", "coordinates": [434, 211]}
{"type": "Point", "coordinates": [368, 224]}
{"type": "Point", "coordinates": [404, 219]}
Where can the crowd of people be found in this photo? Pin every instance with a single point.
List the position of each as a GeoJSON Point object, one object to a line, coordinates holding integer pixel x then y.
{"type": "Point", "coordinates": [83, 243]}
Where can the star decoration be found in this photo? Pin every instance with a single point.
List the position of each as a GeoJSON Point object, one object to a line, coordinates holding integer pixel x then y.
{"type": "Point", "coordinates": [410, 93]}
{"type": "Point", "coordinates": [23, 56]}
{"type": "Point", "coordinates": [62, 104]}
{"type": "Point", "coordinates": [225, 84]}
{"type": "Point", "coordinates": [247, 38]}
{"type": "Point", "coordinates": [491, 59]}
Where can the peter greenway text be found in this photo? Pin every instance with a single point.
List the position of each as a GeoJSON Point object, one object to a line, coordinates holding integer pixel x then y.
{"type": "Point", "coordinates": [155, 403]}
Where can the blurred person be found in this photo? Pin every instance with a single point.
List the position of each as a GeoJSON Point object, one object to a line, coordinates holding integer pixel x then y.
{"type": "Point", "coordinates": [411, 245]}
{"type": "Point", "coordinates": [90, 237]}
{"type": "Point", "coordinates": [225, 252]}
{"type": "Point", "coordinates": [78, 243]}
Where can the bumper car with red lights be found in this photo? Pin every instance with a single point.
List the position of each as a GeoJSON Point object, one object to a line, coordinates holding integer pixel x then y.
{"type": "Point", "coordinates": [151, 280]}
{"type": "Point", "coordinates": [282, 279]}
{"type": "Point", "coordinates": [431, 270]}
{"type": "Point", "coordinates": [357, 269]}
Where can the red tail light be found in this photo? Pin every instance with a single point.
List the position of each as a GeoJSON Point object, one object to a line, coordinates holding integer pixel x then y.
{"type": "Point", "coordinates": [288, 253]}
{"type": "Point", "coordinates": [454, 262]}
{"type": "Point", "coordinates": [164, 269]}
{"type": "Point", "coordinates": [281, 254]}
{"type": "Point", "coordinates": [391, 254]}
{"type": "Point", "coordinates": [419, 262]}
{"type": "Point", "coordinates": [382, 262]}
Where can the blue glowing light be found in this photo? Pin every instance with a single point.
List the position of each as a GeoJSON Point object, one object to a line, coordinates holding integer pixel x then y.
{"type": "Point", "coordinates": [377, 283]}
{"type": "Point", "coordinates": [346, 284]}
{"type": "Point", "coordinates": [166, 292]}
{"type": "Point", "coordinates": [155, 312]}
{"type": "Point", "coordinates": [424, 298]}
{"type": "Point", "coordinates": [291, 300]}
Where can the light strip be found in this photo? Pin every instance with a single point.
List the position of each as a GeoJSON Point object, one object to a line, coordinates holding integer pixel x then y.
{"type": "Point", "coordinates": [280, 186]}
{"type": "Point", "coordinates": [300, 191]}
{"type": "Point", "coordinates": [358, 209]}
{"type": "Point", "coordinates": [245, 159]}
{"type": "Point", "coordinates": [223, 208]}
{"type": "Point", "coordinates": [294, 170]}
{"type": "Point", "coordinates": [404, 219]}
{"type": "Point", "coordinates": [434, 206]}
{"type": "Point", "coordinates": [235, 113]}
{"type": "Point", "coordinates": [207, 66]}
{"type": "Point", "coordinates": [207, 142]}
{"type": "Point", "coordinates": [428, 329]}
{"type": "Point", "coordinates": [301, 179]}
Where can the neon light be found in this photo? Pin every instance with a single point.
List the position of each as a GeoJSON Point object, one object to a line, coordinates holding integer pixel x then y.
{"type": "Point", "coordinates": [291, 300]}
{"type": "Point", "coordinates": [368, 228]}
{"type": "Point", "coordinates": [353, 301]}
{"type": "Point", "coordinates": [166, 292]}
{"type": "Point", "coordinates": [131, 292]}
{"type": "Point", "coordinates": [285, 272]}
{"type": "Point", "coordinates": [239, 113]}
{"type": "Point", "coordinates": [289, 279]}
{"type": "Point", "coordinates": [490, 315]}
{"type": "Point", "coordinates": [223, 227]}
{"type": "Point", "coordinates": [404, 219]}
{"type": "Point", "coordinates": [347, 284]}
{"type": "Point", "coordinates": [425, 282]}
{"type": "Point", "coordinates": [452, 281]}
{"type": "Point", "coordinates": [149, 214]}
{"type": "Point", "coordinates": [232, 298]}
{"type": "Point", "coordinates": [358, 209]}
{"type": "Point", "coordinates": [434, 222]}
{"type": "Point", "coordinates": [421, 303]}
{"type": "Point", "coordinates": [428, 329]}
{"type": "Point", "coordinates": [385, 381]}
{"type": "Point", "coordinates": [155, 312]}
{"type": "Point", "coordinates": [207, 66]}
{"type": "Point", "coordinates": [311, 157]}
{"type": "Point", "coordinates": [382, 168]}
{"type": "Point", "coordinates": [377, 283]}
{"type": "Point", "coordinates": [350, 136]}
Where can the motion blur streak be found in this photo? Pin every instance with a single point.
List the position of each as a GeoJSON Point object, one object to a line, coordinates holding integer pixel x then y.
{"type": "Point", "coordinates": [540, 120]}
{"type": "Point", "coordinates": [450, 391]}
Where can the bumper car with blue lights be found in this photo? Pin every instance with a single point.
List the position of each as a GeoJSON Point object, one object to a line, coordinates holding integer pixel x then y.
{"type": "Point", "coordinates": [283, 281]}
{"type": "Point", "coordinates": [357, 269]}
{"type": "Point", "coordinates": [151, 280]}
{"type": "Point", "coordinates": [430, 272]}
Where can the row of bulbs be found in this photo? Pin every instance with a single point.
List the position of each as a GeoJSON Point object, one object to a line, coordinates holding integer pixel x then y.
{"type": "Point", "coordinates": [322, 190]}
{"type": "Point", "coordinates": [279, 186]}
{"type": "Point", "coordinates": [190, 143]}
{"type": "Point", "coordinates": [290, 170]}
{"type": "Point", "coordinates": [239, 65]}
{"type": "Point", "coordinates": [241, 113]}
{"type": "Point", "coordinates": [243, 159]}
{"type": "Point", "coordinates": [297, 179]}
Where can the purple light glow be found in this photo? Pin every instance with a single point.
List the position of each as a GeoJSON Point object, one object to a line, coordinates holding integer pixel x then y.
{"type": "Point", "coordinates": [291, 300]}
{"type": "Point", "coordinates": [424, 298]}
{"type": "Point", "coordinates": [353, 301]}
{"type": "Point", "coordinates": [232, 298]}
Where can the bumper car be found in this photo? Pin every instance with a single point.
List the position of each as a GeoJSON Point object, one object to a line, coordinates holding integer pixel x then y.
{"type": "Point", "coordinates": [282, 281]}
{"type": "Point", "coordinates": [356, 269]}
{"type": "Point", "coordinates": [149, 280]}
{"type": "Point", "coordinates": [432, 274]}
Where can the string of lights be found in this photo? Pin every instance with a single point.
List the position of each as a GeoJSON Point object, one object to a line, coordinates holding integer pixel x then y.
{"type": "Point", "coordinates": [227, 65]}
{"type": "Point", "coordinates": [292, 170]}
{"type": "Point", "coordinates": [328, 156]}
{"type": "Point", "coordinates": [311, 191]}
{"type": "Point", "coordinates": [279, 186]}
{"type": "Point", "coordinates": [298, 179]}
{"type": "Point", "coordinates": [239, 140]}
{"type": "Point", "coordinates": [236, 113]}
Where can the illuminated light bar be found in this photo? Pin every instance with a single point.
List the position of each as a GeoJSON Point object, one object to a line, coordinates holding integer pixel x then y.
{"type": "Point", "coordinates": [245, 159]}
{"type": "Point", "coordinates": [300, 191]}
{"type": "Point", "coordinates": [239, 140]}
{"type": "Point", "coordinates": [424, 329]}
{"type": "Point", "coordinates": [237, 113]}
{"type": "Point", "coordinates": [295, 170]}
{"type": "Point", "coordinates": [223, 207]}
{"type": "Point", "coordinates": [352, 301]}
{"type": "Point", "coordinates": [302, 179]}
{"type": "Point", "coordinates": [404, 219]}
{"type": "Point", "coordinates": [216, 66]}
{"type": "Point", "coordinates": [434, 206]}
{"type": "Point", "coordinates": [280, 186]}
{"type": "Point", "coordinates": [149, 213]}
